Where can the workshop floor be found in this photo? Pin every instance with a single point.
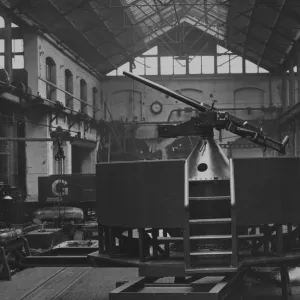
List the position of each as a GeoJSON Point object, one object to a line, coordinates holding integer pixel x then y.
{"type": "Point", "coordinates": [95, 284]}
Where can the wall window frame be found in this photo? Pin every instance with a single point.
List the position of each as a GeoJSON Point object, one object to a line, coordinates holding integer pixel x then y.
{"type": "Point", "coordinates": [51, 74]}
{"type": "Point", "coordinates": [95, 94]}
{"type": "Point", "coordinates": [83, 95]}
{"type": "Point", "coordinates": [69, 87]}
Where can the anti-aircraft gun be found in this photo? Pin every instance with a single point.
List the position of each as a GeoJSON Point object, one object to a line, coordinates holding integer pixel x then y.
{"type": "Point", "coordinates": [209, 118]}
{"type": "Point", "coordinates": [209, 172]}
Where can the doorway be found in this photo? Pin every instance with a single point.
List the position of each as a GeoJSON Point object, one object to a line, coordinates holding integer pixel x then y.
{"type": "Point", "coordinates": [81, 160]}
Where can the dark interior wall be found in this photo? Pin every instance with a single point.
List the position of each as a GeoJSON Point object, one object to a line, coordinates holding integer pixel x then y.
{"type": "Point", "coordinates": [76, 159]}
{"type": "Point", "coordinates": [141, 194]}
{"type": "Point", "coordinates": [266, 190]}
{"type": "Point", "coordinates": [80, 157]}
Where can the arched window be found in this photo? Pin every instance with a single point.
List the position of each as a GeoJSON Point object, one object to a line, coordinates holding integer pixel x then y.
{"type": "Point", "coordinates": [95, 100]}
{"type": "Point", "coordinates": [51, 77]}
{"type": "Point", "coordinates": [69, 88]}
{"type": "Point", "coordinates": [2, 22]}
{"type": "Point", "coordinates": [83, 95]}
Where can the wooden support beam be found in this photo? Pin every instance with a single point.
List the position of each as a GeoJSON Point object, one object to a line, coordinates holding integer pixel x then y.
{"type": "Point", "coordinates": [112, 242]}
{"type": "Point", "coordinates": [279, 244]}
{"type": "Point", "coordinates": [8, 50]}
{"type": "Point", "coordinates": [291, 83]}
{"type": "Point", "coordinates": [285, 282]}
{"type": "Point", "coordinates": [142, 253]}
{"type": "Point", "coordinates": [283, 92]}
{"type": "Point", "coordinates": [298, 68]}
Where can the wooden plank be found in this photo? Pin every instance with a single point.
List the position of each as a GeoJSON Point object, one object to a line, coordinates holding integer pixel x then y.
{"type": "Point", "coordinates": [162, 270]}
{"type": "Point", "coordinates": [234, 241]}
{"type": "Point", "coordinates": [135, 283]}
{"type": "Point", "coordinates": [143, 194]}
{"type": "Point", "coordinates": [279, 241]}
{"type": "Point", "coordinates": [167, 245]}
{"type": "Point", "coordinates": [210, 221]}
{"type": "Point", "coordinates": [219, 286]}
{"type": "Point", "coordinates": [284, 282]}
{"type": "Point", "coordinates": [142, 254]}
{"type": "Point", "coordinates": [213, 270]}
{"type": "Point", "coordinates": [187, 244]}
{"type": "Point", "coordinates": [210, 198]}
{"type": "Point", "coordinates": [211, 253]}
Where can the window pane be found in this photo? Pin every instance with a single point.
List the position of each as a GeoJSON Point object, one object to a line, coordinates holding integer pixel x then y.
{"type": "Point", "coordinates": [17, 45]}
{"type": "Point", "coordinates": [221, 50]}
{"type": "Point", "coordinates": [123, 68]}
{"type": "Point", "coordinates": [139, 66]}
{"type": "Point", "coordinates": [262, 70]}
{"type": "Point", "coordinates": [2, 23]}
{"type": "Point", "coordinates": [2, 61]}
{"type": "Point", "coordinates": [236, 64]}
{"type": "Point", "coordinates": [166, 65]}
{"type": "Point", "coordinates": [151, 66]}
{"type": "Point", "coordinates": [223, 64]}
{"type": "Point", "coordinates": [208, 64]}
{"type": "Point", "coordinates": [295, 69]}
{"type": "Point", "coordinates": [112, 73]}
{"type": "Point", "coordinates": [179, 66]}
{"type": "Point", "coordinates": [2, 44]}
{"type": "Point", "coordinates": [18, 62]}
{"type": "Point", "coordinates": [152, 51]}
{"type": "Point", "coordinates": [195, 64]}
{"type": "Point", "coordinates": [14, 25]}
{"type": "Point", "coordinates": [250, 67]}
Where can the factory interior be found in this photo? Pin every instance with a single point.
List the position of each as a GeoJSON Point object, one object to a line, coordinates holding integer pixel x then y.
{"type": "Point", "coordinates": [149, 149]}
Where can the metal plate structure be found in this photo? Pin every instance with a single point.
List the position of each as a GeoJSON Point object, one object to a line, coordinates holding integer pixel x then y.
{"type": "Point", "coordinates": [142, 194]}
{"type": "Point", "coordinates": [266, 190]}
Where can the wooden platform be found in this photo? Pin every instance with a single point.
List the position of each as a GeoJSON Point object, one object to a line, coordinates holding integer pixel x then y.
{"type": "Point", "coordinates": [97, 283]}
{"type": "Point", "coordinates": [176, 267]}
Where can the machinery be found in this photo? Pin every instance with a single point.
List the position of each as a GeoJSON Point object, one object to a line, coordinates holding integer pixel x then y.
{"type": "Point", "coordinates": [194, 218]}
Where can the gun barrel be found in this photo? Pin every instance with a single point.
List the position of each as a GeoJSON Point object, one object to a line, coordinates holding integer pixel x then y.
{"type": "Point", "coordinates": [198, 105]}
{"type": "Point", "coordinates": [191, 102]}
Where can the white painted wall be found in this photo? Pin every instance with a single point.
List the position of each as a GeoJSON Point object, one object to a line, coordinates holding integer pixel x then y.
{"type": "Point", "coordinates": [40, 158]}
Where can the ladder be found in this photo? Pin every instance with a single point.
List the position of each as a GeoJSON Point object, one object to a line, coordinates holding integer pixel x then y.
{"type": "Point", "coordinates": [210, 261]}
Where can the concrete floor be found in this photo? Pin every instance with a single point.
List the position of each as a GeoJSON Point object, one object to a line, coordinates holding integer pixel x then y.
{"type": "Point", "coordinates": [95, 283]}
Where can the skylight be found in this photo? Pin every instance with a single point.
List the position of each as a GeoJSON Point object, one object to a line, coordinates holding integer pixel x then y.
{"type": "Point", "coordinates": [155, 17]}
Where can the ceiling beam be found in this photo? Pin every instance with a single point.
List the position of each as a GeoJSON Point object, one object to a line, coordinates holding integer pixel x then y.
{"type": "Point", "coordinates": [208, 10]}
{"type": "Point", "coordinates": [250, 25]}
{"type": "Point", "coordinates": [76, 7]}
{"type": "Point", "coordinates": [284, 10]}
{"type": "Point", "coordinates": [115, 37]}
{"type": "Point", "coordinates": [82, 34]}
{"type": "Point", "coordinates": [269, 28]}
{"type": "Point", "coordinates": [30, 23]}
{"type": "Point", "coordinates": [271, 33]}
{"type": "Point", "coordinates": [205, 11]}
{"type": "Point", "coordinates": [243, 30]}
